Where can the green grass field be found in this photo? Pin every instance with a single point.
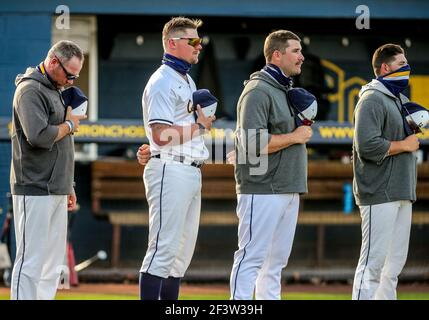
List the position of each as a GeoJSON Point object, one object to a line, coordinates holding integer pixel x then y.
{"type": "Point", "coordinates": [287, 296]}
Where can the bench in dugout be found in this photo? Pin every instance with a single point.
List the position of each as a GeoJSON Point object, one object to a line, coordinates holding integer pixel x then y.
{"type": "Point", "coordinates": [114, 179]}
{"type": "Point", "coordinates": [117, 179]}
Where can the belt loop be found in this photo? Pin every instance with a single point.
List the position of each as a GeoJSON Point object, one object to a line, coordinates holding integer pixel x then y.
{"type": "Point", "coordinates": [197, 165]}
{"type": "Point", "coordinates": [181, 159]}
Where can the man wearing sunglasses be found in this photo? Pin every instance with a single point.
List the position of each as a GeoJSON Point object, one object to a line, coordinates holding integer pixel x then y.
{"type": "Point", "coordinates": [384, 184]}
{"type": "Point", "coordinates": [69, 76]}
{"type": "Point", "coordinates": [172, 176]}
{"type": "Point", "coordinates": [42, 171]}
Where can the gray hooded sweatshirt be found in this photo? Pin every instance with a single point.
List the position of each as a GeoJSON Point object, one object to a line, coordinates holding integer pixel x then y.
{"type": "Point", "coordinates": [263, 110]}
{"type": "Point", "coordinates": [40, 166]}
{"type": "Point", "coordinates": [378, 120]}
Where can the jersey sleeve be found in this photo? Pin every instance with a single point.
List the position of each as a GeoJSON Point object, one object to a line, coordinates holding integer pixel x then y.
{"type": "Point", "coordinates": [160, 106]}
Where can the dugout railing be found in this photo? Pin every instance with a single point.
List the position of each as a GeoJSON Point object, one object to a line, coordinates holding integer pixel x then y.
{"type": "Point", "coordinates": [115, 180]}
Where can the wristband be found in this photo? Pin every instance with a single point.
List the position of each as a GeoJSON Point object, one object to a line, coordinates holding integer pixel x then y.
{"type": "Point", "coordinates": [201, 126]}
{"type": "Point", "coordinates": [71, 125]}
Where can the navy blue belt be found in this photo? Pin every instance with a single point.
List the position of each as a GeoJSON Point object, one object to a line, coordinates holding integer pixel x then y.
{"type": "Point", "coordinates": [182, 160]}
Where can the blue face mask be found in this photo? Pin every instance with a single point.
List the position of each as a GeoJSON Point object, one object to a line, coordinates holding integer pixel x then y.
{"type": "Point", "coordinates": [396, 81]}
{"type": "Point", "coordinates": [278, 74]}
{"type": "Point", "coordinates": [177, 64]}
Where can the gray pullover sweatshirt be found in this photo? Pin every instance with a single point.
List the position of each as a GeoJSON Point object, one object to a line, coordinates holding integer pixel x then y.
{"type": "Point", "coordinates": [262, 111]}
{"type": "Point", "coordinates": [379, 178]}
{"type": "Point", "coordinates": [40, 166]}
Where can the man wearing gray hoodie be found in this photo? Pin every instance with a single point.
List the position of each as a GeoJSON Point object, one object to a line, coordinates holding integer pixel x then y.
{"type": "Point", "coordinates": [268, 196]}
{"type": "Point", "coordinates": [42, 171]}
{"type": "Point", "coordinates": [385, 176]}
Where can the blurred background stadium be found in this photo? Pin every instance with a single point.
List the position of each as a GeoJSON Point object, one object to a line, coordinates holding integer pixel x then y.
{"type": "Point", "coordinates": [122, 45]}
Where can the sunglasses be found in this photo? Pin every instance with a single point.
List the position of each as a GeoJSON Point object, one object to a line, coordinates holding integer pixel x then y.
{"type": "Point", "coordinates": [69, 75]}
{"type": "Point", "coordinates": [191, 41]}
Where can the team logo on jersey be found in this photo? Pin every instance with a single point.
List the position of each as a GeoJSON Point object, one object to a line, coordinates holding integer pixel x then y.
{"type": "Point", "coordinates": [190, 106]}
{"type": "Point", "coordinates": [205, 99]}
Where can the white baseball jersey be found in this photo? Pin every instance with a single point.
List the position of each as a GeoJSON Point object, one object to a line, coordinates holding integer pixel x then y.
{"type": "Point", "coordinates": [173, 188]}
{"type": "Point", "coordinates": [165, 100]}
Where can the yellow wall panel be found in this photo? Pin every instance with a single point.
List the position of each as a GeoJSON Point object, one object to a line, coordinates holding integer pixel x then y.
{"type": "Point", "coordinates": [420, 90]}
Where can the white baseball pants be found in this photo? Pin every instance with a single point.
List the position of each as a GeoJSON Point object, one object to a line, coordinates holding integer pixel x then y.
{"type": "Point", "coordinates": [266, 229]}
{"type": "Point", "coordinates": [385, 238]}
{"type": "Point", "coordinates": [173, 192]}
{"type": "Point", "coordinates": [41, 237]}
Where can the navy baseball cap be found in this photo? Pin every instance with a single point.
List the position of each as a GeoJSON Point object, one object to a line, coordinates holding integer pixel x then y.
{"type": "Point", "coordinates": [206, 100]}
{"type": "Point", "coordinates": [75, 98]}
{"type": "Point", "coordinates": [304, 105]}
{"type": "Point", "coordinates": [415, 117]}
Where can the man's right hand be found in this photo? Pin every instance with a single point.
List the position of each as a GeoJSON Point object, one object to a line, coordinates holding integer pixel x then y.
{"type": "Point", "coordinates": [302, 134]}
{"type": "Point", "coordinates": [205, 121]}
{"type": "Point", "coordinates": [411, 143]}
{"type": "Point", "coordinates": [74, 119]}
{"type": "Point", "coordinates": [281, 141]}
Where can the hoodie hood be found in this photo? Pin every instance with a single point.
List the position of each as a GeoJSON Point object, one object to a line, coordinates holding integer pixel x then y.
{"type": "Point", "coordinates": [376, 85]}
{"type": "Point", "coordinates": [33, 74]}
{"type": "Point", "coordinates": [264, 76]}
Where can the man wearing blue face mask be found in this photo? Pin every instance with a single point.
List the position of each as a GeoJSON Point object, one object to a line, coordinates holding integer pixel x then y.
{"type": "Point", "coordinates": [273, 122]}
{"type": "Point", "coordinates": [172, 177]}
{"type": "Point", "coordinates": [384, 185]}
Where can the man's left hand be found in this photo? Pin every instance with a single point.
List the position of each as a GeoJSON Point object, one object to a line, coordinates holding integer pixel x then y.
{"type": "Point", "coordinates": [143, 154]}
{"type": "Point", "coordinates": [71, 201]}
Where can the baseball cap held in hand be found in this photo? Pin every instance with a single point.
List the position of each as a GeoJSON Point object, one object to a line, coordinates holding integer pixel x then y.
{"type": "Point", "coordinates": [304, 105]}
{"type": "Point", "coordinates": [415, 117]}
{"type": "Point", "coordinates": [75, 98]}
{"type": "Point", "coordinates": [206, 100]}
